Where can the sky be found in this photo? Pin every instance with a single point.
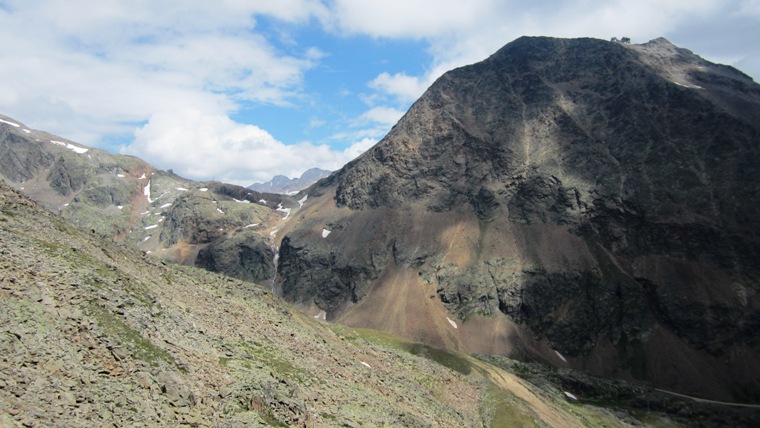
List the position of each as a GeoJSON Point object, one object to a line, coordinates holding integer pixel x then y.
{"type": "Point", "coordinates": [242, 90]}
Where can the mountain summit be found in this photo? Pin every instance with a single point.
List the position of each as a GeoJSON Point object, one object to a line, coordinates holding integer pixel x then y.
{"type": "Point", "coordinates": [584, 203]}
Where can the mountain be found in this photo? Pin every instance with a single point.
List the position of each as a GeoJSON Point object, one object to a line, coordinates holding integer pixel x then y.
{"type": "Point", "coordinates": [221, 227]}
{"type": "Point", "coordinates": [584, 203]}
{"type": "Point", "coordinates": [97, 333]}
{"type": "Point", "coordinates": [285, 185]}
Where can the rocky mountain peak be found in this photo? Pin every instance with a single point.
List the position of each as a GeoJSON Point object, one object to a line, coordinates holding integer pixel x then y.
{"type": "Point", "coordinates": [593, 198]}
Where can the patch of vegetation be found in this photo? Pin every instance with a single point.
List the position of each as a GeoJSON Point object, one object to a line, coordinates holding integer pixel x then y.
{"type": "Point", "coordinates": [269, 357]}
{"type": "Point", "coordinates": [328, 416]}
{"type": "Point", "coordinates": [140, 347]}
{"type": "Point", "coordinates": [503, 409]}
{"type": "Point", "coordinates": [441, 356]}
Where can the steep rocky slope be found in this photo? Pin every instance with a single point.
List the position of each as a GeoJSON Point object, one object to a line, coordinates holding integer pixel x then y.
{"type": "Point", "coordinates": [580, 202]}
{"type": "Point", "coordinates": [126, 198]}
{"type": "Point", "coordinates": [93, 333]}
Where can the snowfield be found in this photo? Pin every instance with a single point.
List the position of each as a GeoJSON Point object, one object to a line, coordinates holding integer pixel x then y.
{"type": "Point", "coordinates": [73, 148]}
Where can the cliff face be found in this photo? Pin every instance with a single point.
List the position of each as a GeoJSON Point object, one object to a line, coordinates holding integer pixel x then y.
{"type": "Point", "coordinates": [576, 200]}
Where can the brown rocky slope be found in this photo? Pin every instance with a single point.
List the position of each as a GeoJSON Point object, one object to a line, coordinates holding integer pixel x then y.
{"type": "Point", "coordinates": [580, 202]}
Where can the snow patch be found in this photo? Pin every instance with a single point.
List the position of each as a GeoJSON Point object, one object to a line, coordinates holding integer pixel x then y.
{"type": "Point", "coordinates": [263, 201]}
{"type": "Point", "coordinates": [152, 226]}
{"type": "Point", "coordinates": [165, 205]}
{"type": "Point", "coordinates": [119, 206]}
{"type": "Point", "coordinates": [146, 191]}
{"type": "Point", "coordinates": [322, 315]}
{"type": "Point", "coordinates": [365, 364]}
{"type": "Point", "coordinates": [325, 233]}
{"type": "Point", "coordinates": [203, 189]}
{"type": "Point", "coordinates": [241, 202]}
{"type": "Point", "coordinates": [10, 123]}
{"type": "Point", "coordinates": [145, 213]}
{"type": "Point", "coordinates": [142, 176]}
{"type": "Point", "coordinates": [146, 238]}
{"type": "Point", "coordinates": [252, 225]}
{"type": "Point", "coordinates": [73, 148]}
{"type": "Point", "coordinates": [688, 86]}
{"type": "Point", "coordinates": [181, 189]}
{"type": "Point", "coordinates": [120, 175]}
{"type": "Point", "coordinates": [281, 209]}
{"type": "Point", "coordinates": [453, 324]}
{"type": "Point", "coordinates": [302, 200]}
{"type": "Point", "coordinates": [570, 395]}
{"type": "Point", "coordinates": [220, 210]}
{"type": "Point", "coordinates": [26, 131]}
{"type": "Point", "coordinates": [560, 356]}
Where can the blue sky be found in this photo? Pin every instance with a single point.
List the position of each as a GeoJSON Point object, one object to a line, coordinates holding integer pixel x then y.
{"type": "Point", "coordinates": [241, 90]}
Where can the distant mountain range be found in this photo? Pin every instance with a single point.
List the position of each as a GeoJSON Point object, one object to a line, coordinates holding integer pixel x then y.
{"type": "Point", "coordinates": [290, 186]}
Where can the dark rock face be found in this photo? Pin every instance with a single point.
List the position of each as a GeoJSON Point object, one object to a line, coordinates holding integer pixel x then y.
{"type": "Point", "coordinates": [613, 200]}
{"type": "Point", "coordinates": [245, 256]}
{"type": "Point", "coordinates": [20, 161]}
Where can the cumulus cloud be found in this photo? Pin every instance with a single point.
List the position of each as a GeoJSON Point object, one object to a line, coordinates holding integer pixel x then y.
{"type": "Point", "coordinates": [401, 86]}
{"type": "Point", "coordinates": [201, 146]}
{"type": "Point", "coordinates": [100, 68]}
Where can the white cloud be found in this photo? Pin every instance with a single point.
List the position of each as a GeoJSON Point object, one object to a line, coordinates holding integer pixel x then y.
{"type": "Point", "coordinates": [381, 115]}
{"type": "Point", "coordinates": [403, 87]}
{"type": "Point", "coordinates": [200, 145]}
{"type": "Point", "coordinates": [89, 69]}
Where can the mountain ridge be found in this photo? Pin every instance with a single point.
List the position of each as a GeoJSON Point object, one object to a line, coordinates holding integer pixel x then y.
{"type": "Point", "coordinates": [286, 185]}
{"type": "Point", "coordinates": [221, 227]}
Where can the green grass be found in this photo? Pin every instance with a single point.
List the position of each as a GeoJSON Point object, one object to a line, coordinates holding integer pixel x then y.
{"type": "Point", "coordinates": [443, 357]}
{"type": "Point", "coordinates": [505, 410]}
{"type": "Point", "coordinates": [268, 356]}
{"type": "Point", "coordinates": [140, 347]}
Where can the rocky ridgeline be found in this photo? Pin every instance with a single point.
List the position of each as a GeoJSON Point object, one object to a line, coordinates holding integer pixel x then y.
{"type": "Point", "coordinates": [216, 226]}
{"type": "Point", "coordinates": [289, 186]}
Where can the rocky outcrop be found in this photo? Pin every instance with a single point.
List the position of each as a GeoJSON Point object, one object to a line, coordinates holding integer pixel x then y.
{"type": "Point", "coordinates": [597, 199]}
{"type": "Point", "coordinates": [247, 256]}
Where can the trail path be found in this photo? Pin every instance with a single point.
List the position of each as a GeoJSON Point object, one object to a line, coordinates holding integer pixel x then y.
{"type": "Point", "coordinates": [551, 415]}
{"type": "Point", "coordinates": [704, 400]}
